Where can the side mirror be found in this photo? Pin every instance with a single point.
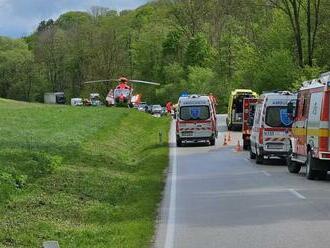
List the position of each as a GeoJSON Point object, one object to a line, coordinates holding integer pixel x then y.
{"type": "Point", "coordinates": [250, 122]}
{"type": "Point", "coordinates": [290, 108]}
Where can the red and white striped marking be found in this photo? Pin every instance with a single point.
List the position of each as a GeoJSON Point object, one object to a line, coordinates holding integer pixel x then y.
{"type": "Point", "coordinates": [275, 139]}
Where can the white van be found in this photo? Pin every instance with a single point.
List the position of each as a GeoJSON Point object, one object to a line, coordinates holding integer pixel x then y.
{"type": "Point", "coordinates": [271, 129]}
{"type": "Point", "coordinates": [196, 120]}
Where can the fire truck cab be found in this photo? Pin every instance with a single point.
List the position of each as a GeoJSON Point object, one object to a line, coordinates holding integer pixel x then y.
{"type": "Point", "coordinates": [234, 119]}
{"type": "Point", "coordinates": [196, 120]}
{"type": "Point", "coordinates": [249, 108]}
{"type": "Point", "coordinates": [310, 141]}
{"type": "Point", "coordinates": [272, 126]}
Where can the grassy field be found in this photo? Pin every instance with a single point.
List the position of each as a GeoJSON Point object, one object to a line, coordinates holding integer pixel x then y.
{"type": "Point", "coordinates": [87, 177]}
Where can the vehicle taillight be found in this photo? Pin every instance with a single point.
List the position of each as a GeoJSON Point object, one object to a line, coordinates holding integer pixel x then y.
{"type": "Point", "coordinates": [261, 136]}
{"type": "Point", "coordinates": [326, 155]}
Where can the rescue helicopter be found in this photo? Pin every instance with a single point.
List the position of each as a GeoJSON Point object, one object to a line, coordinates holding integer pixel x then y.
{"type": "Point", "coordinates": [122, 94]}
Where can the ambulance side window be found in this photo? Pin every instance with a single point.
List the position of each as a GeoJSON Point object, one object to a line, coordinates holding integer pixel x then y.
{"type": "Point", "coordinates": [302, 106]}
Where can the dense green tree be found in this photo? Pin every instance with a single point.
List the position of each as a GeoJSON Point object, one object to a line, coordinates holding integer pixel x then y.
{"type": "Point", "coordinates": [198, 52]}
{"type": "Point", "coordinates": [186, 45]}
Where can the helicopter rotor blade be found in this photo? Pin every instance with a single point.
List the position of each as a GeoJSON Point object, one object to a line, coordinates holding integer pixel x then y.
{"type": "Point", "coordinates": [101, 81]}
{"type": "Point", "coordinates": [144, 82]}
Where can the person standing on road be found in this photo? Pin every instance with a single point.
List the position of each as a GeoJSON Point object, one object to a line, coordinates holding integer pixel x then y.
{"type": "Point", "coordinates": [169, 107]}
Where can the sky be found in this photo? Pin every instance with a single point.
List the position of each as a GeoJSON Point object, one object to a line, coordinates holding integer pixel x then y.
{"type": "Point", "coordinates": [21, 17]}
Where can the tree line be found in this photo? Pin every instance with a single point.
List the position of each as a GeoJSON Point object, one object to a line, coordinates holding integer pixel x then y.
{"type": "Point", "coordinates": [186, 45]}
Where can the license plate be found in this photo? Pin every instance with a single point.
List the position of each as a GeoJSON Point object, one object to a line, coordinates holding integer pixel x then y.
{"type": "Point", "coordinates": [187, 133]}
{"type": "Point", "coordinates": [274, 146]}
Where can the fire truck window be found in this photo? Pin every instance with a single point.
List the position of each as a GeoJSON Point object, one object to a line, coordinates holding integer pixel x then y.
{"type": "Point", "coordinates": [194, 113]}
{"type": "Point", "coordinates": [238, 104]}
{"type": "Point", "coordinates": [304, 110]}
{"type": "Point", "coordinates": [252, 110]}
{"type": "Point", "coordinates": [277, 116]}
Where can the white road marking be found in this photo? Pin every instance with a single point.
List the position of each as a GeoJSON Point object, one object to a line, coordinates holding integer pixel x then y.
{"type": "Point", "coordinates": [294, 192]}
{"type": "Point", "coordinates": [266, 173]}
{"type": "Point", "coordinates": [170, 231]}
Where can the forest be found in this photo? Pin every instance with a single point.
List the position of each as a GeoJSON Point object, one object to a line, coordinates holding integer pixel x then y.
{"type": "Point", "coordinates": [186, 45]}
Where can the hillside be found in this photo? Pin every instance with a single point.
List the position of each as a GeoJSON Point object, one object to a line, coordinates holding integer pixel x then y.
{"type": "Point", "coordinates": [186, 45]}
{"type": "Point", "coordinates": [87, 177]}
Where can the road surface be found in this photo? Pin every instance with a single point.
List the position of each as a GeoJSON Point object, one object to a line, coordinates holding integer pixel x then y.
{"type": "Point", "coordinates": [216, 197]}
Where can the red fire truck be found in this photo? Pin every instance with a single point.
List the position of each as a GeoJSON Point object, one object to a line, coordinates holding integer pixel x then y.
{"type": "Point", "coordinates": [310, 141]}
{"type": "Point", "coordinates": [249, 107]}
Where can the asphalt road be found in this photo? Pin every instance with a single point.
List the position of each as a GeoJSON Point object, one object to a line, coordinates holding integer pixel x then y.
{"type": "Point", "coordinates": [216, 197]}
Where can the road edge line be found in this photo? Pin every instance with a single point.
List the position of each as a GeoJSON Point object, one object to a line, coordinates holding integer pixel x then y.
{"type": "Point", "coordinates": [170, 230]}
{"type": "Point", "coordinates": [266, 173]}
{"type": "Point", "coordinates": [297, 194]}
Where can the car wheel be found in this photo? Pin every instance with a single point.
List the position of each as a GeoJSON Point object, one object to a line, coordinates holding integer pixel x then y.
{"type": "Point", "coordinates": [259, 157]}
{"type": "Point", "coordinates": [311, 173]}
{"type": "Point", "coordinates": [252, 155]}
{"type": "Point", "coordinates": [178, 142]}
{"type": "Point", "coordinates": [293, 166]}
{"type": "Point", "coordinates": [323, 175]}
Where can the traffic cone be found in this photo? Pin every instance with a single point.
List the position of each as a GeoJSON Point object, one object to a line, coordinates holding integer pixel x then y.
{"type": "Point", "coordinates": [229, 137]}
{"type": "Point", "coordinates": [225, 141]}
{"type": "Point", "coordinates": [238, 147]}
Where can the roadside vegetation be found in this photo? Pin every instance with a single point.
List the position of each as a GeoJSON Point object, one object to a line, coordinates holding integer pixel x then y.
{"type": "Point", "coordinates": [87, 177]}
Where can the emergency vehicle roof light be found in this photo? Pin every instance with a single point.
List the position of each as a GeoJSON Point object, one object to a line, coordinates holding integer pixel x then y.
{"type": "Point", "coordinates": [314, 82]}
{"type": "Point", "coordinates": [325, 78]}
{"type": "Point", "coordinates": [286, 93]}
{"type": "Point", "coordinates": [194, 96]}
{"type": "Point", "coordinates": [325, 74]}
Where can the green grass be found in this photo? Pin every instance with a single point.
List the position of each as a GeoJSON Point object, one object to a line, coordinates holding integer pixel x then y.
{"type": "Point", "coordinates": [87, 177]}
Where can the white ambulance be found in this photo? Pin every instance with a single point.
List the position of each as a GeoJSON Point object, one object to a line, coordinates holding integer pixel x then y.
{"type": "Point", "coordinates": [270, 136]}
{"type": "Point", "coordinates": [310, 141]}
{"type": "Point", "coordinates": [196, 120]}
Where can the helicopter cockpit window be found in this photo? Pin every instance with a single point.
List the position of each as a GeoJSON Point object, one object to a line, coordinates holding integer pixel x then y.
{"type": "Point", "coordinates": [122, 92]}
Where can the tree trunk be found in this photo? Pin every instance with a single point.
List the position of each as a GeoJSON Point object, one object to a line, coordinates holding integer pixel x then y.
{"type": "Point", "coordinates": [309, 32]}
{"type": "Point", "coordinates": [296, 16]}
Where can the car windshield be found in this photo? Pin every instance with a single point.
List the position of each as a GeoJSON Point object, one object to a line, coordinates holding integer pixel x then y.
{"type": "Point", "coordinates": [156, 107]}
{"type": "Point", "coordinates": [277, 116]}
{"type": "Point", "coordinates": [194, 113]}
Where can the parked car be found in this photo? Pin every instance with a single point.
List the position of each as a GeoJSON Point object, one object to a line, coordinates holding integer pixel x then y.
{"type": "Point", "coordinates": [76, 102]}
{"type": "Point", "coordinates": [54, 98]}
{"type": "Point", "coordinates": [156, 109]}
{"type": "Point", "coordinates": [148, 109]}
{"type": "Point", "coordinates": [142, 107]}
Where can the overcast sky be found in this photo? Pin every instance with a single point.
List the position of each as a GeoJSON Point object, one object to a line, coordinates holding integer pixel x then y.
{"type": "Point", "coordinates": [21, 17]}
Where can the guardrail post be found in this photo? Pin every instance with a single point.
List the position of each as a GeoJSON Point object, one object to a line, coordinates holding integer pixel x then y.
{"type": "Point", "coordinates": [160, 137]}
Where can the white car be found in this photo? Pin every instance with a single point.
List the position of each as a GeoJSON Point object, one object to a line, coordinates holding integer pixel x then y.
{"type": "Point", "coordinates": [76, 102]}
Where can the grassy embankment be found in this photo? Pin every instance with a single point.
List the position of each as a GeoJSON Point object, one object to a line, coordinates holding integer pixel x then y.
{"type": "Point", "coordinates": [87, 177]}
